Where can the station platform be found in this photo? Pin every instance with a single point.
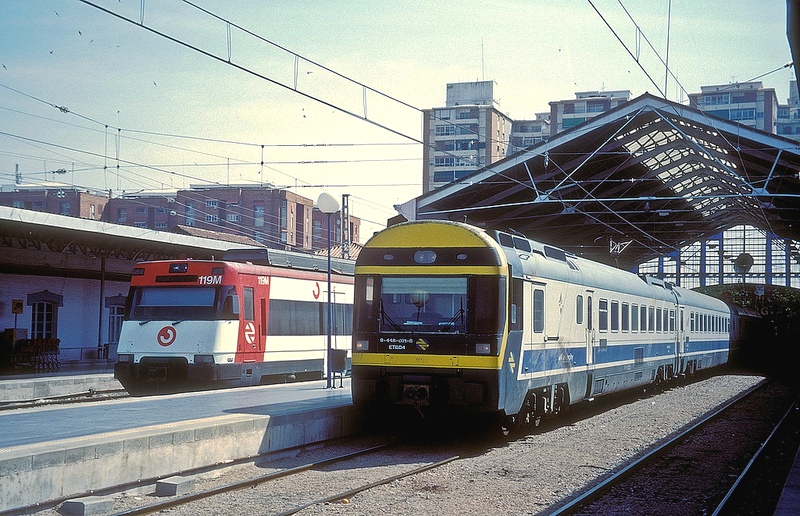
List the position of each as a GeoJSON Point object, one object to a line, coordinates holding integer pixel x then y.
{"type": "Point", "coordinates": [29, 384]}
{"type": "Point", "coordinates": [56, 452]}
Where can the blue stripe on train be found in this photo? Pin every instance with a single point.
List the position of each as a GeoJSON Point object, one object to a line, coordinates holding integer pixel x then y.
{"type": "Point", "coordinates": [540, 360]}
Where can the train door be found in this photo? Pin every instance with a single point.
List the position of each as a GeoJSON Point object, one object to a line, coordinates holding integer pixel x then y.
{"type": "Point", "coordinates": [527, 352]}
{"type": "Point", "coordinates": [680, 337]}
{"type": "Point", "coordinates": [249, 335]}
{"type": "Point", "coordinates": [590, 338]}
{"type": "Point", "coordinates": [262, 315]}
{"type": "Point", "coordinates": [676, 330]}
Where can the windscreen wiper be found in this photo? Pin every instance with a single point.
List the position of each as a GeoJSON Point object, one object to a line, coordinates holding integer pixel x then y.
{"type": "Point", "coordinates": [387, 318]}
{"type": "Point", "coordinates": [447, 326]}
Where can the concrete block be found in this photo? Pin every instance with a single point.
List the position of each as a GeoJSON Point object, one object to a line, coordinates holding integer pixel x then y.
{"type": "Point", "coordinates": [48, 459]}
{"type": "Point", "coordinates": [174, 486]}
{"type": "Point", "coordinates": [79, 454]}
{"type": "Point", "coordinates": [136, 444]}
{"type": "Point", "coordinates": [88, 505]}
{"type": "Point", "coordinates": [109, 449]}
{"type": "Point", "coordinates": [182, 436]}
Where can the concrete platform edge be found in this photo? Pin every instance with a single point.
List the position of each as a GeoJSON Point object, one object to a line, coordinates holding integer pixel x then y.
{"type": "Point", "coordinates": [74, 467]}
{"type": "Point", "coordinates": [14, 389]}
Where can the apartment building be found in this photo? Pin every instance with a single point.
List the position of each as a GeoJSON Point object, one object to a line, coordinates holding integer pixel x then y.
{"type": "Point", "coordinates": [470, 132]}
{"type": "Point", "coordinates": [566, 114]}
{"type": "Point", "coordinates": [467, 134]}
{"type": "Point", "coordinates": [55, 198]}
{"type": "Point", "coordinates": [788, 123]}
{"type": "Point", "coordinates": [274, 217]}
{"type": "Point", "coordinates": [748, 103]}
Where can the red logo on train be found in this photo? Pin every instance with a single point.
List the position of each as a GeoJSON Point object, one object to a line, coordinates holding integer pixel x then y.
{"type": "Point", "coordinates": [316, 292]}
{"type": "Point", "coordinates": [166, 335]}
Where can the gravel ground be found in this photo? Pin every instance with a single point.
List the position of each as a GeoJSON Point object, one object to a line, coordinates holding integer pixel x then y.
{"type": "Point", "coordinates": [524, 476]}
{"type": "Point", "coordinates": [530, 474]}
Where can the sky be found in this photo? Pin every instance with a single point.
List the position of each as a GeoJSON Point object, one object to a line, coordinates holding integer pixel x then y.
{"type": "Point", "coordinates": [323, 95]}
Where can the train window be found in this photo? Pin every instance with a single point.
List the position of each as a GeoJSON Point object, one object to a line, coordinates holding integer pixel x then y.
{"type": "Point", "coordinates": [589, 323]}
{"type": "Point", "coordinates": [602, 315]}
{"type": "Point", "coordinates": [263, 316]}
{"type": "Point", "coordinates": [154, 303]}
{"type": "Point", "coordinates": [615, 316]}
{"type": "Point", "coordinates": [666, 320]}
{"type": "Point", "coordinates": [249, 308]}
{"type": "Point", "coordinates": [517, 292]}
{"type": "Point", "coordinates": [538, 310]}
{"type": "Point", "coordinates": [634, 317]}
{"type": "Point", "coordinates": [505, 240]}
{"type": "Point", "coordinates": [643, 318]}
{"type": "Point", "coordinates": [658, 320]}
{"type": "Point", "coordinates": [230, 306]}
{"type": "Point", "coordinates": [651, 318]}
{"type": "Point", "coordinates": [626, 317]}
{"type": "Point", "coordinates": [579, 310]}
{"type": "Point", "coordinates": [691, 322]}
{"type": "Point", "coordinates": [369, 290]}
{"type": "Point", "coordinates": [427, 303]}
{"type": "Point", "coordinates": [486, 313]}
{"type": "Point", "coordinates": [672, 320]}
{"type": "Point", "coordinates": [552, 252]}
{"type": "Point", "coordinates": [522, 245]}
{"type": "Point", "coordinates": [291, 317]}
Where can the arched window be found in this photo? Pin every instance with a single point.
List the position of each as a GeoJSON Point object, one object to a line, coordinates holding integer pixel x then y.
{"type": "Point", "coordinates": [44, 314]}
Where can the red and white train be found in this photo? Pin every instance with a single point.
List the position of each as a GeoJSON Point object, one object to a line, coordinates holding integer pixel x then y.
{"type": "Point", "coordinates": [199, 324]}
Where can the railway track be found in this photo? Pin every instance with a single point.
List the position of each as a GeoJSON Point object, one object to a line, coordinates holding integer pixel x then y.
{"type": "Point", "coordinates": [88, 396]}
{"type": "Point", "coordinates": [316, 480]}
{"type": "Point", "coordinates": [732, 461]}
{"type": "Point", "coordinates": [297, 479]}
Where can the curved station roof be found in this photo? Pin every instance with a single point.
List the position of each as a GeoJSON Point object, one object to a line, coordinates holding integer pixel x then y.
{"type": "Point", "coordinates": [633, 183]}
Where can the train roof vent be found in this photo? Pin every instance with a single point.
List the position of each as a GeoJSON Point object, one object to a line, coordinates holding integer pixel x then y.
{"type": "Point", "coordinates": [256, 255]}
{"type": "Point", "coordinates": [294, 260]}
{"type": "Point", "coordinates": [654, 282]}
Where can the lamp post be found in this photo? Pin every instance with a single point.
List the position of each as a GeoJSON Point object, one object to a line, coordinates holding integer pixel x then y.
{"type": "Point", "coordinates": [328, 205]}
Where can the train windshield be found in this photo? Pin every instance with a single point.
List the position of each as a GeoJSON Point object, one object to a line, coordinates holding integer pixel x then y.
{"type": "Point", "coordinates": [183, 303]}
{"type": "Point", "coordinates": [423, 304]}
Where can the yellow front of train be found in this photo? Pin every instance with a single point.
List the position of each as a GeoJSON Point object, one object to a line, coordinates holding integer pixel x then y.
{"type": "Point", "coordinates": [429, 323]}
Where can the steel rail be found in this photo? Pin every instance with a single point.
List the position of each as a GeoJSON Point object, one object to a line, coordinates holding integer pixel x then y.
{"type": "Point", "coordinates": [90, 395]}
{"type": "Point", "coordinates": [722, 504]}
{"type": "Point", "coordinates": [250, 482]}
{"type": "Point", "coordinates": [604, 486]}
{"type": "Point", "coordinates": [350, 492]}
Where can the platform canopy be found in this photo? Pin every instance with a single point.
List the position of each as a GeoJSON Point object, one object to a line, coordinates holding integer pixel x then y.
{"type": "Point", "coordinates": [633, 183]}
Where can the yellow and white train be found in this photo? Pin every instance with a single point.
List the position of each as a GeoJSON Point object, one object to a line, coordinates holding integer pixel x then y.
{"type": "Point", "coordinates": [451, 318]}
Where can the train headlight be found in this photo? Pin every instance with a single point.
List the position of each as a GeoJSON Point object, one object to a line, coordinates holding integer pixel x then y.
{"type": "Point", "coordinates": [204, 359]}
{"type": "Point", "coordinates": [125, 357]}
{"type": "Point", "coordinates": [483, 349]}
{"type": "Point", "coordinates": [362, 345]}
